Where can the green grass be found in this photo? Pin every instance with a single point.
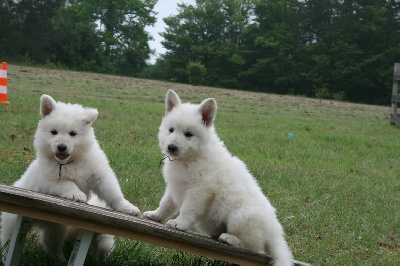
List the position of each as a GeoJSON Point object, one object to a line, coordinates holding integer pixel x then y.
{"type": "Point", "coordinates": [335, 184]}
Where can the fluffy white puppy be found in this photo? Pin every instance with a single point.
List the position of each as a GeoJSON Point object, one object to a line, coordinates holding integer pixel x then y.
{"type": "Point", "coordinates": [209, 187]}
{"type": "Point", "coordinates": [70, 164]}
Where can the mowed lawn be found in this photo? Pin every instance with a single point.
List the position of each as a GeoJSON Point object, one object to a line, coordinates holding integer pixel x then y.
{"type": "Point", "coordinates": [331, 169]}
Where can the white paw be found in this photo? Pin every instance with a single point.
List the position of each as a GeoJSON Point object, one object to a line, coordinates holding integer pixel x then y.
{"type": "Point", "coordinates": [75, 195]}
{"type": "Point", "coordinates": [127, 208]}
{"type": "Point", "coordinates": [230, 240]}
{"type": "Point", "coordinates": [175, 224]}
{"type": "Point", "coordinates": [152, 215]}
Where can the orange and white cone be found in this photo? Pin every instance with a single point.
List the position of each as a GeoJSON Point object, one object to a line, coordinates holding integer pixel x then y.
{"type": "Point", "coordinates": [3, 84]}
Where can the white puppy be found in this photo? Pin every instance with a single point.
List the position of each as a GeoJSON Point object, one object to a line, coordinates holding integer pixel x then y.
{"type": "Point", "coordinates": [70, 164]}
{"type": "Point", "coordinates": [209, 187]}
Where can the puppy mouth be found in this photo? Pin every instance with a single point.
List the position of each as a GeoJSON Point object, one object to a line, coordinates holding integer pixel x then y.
{"type": "Point", "coordinates": [172, 153]}
{"type": "Point", "coordinates": [62, 155]}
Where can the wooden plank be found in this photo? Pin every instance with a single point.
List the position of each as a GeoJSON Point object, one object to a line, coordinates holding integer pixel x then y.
{"type": "Point", "coordinates": [394, 120]}
{"type": "Point", "coordinates": [93, 218]}
{"type": "Point", "coordinates": [396, 71]}
{"type": "Point", "coordinates": [396, 98]}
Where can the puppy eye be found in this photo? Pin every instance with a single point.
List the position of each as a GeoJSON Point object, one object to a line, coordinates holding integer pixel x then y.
{"type": "Point", "coordinates": [188, 134]}
{"type": "Point", "coordinates": [72, 133]}
{"type": "Point", "coordinates": [171, 129]}
{"type": "Point", "coordinates": [54, 132]}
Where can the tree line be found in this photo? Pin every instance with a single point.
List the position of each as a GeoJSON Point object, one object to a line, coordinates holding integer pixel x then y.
{"type": "Point", "coordinates": [338, 49]}
{"type": "Point", "coordinates": [90, 35]}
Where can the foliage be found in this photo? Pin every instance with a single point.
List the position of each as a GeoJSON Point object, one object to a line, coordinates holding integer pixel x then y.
{"type": "Point", "coordinates": [322, 93]}
{"type": "Point", "coordinates": [289, 46]}
{"type": "Point", "coordinates": [159, 70]}
{"type": "Point", "coordinates": [103, 36]}
{"type": "Point", "coordinates": [196, 72]}
{"type": "Point", "coordinates": [26, 28]}
{"type": "Point", "coordinates": [209, 33]}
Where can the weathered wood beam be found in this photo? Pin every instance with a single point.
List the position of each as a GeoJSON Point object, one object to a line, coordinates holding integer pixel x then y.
{"type": "Point", "coordinates": [396, 97]}
{"type": "Point", "coordinates": [101, 220]}
{"type": "Point", "coordinates": [394, 119]}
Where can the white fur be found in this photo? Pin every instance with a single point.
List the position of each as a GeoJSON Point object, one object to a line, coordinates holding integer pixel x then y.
{"type": "Point", "coordinates": [209, 187]}
{"type": "Point", "coordinates": [70, 164]}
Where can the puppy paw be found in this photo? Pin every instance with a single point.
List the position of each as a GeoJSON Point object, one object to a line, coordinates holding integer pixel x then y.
{"type": "Point", "coordinates": [231, 240]}
{"type": "Point", "coordinates": [75, 195]}
{"type": "Point", "coordinates": [127, 208]}
{"type": "Point", "coordinates": [175, 224]}
{"type": "Point", "coordinates": [152, 215]}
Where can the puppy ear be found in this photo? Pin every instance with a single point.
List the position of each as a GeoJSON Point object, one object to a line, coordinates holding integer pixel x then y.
{"type": "Point", "coordinates": [171, 100]}
{"type": "Point", "coordinates": [47, 105]}
{"type": "Point", "coordinates": [90, 115]}
{"type": "Point", "coordinates": [208, 110]}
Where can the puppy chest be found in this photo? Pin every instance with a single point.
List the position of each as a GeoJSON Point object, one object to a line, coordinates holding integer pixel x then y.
{"type": "Point", "coordinates": [179, 192]}
{"type": "Point", "coordinates": [77, 175]}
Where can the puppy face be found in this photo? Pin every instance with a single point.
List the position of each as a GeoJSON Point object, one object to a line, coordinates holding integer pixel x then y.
{"type": "Point", "coordinates": [180, 136]}
{"type": "Point", "coordinates": [64, 131]}
{"type": "Point", "coordinates": [185, 128]}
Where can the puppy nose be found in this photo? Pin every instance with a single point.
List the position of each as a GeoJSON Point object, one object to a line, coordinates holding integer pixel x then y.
{"type": "Point", "coordinates": [61, 147]}
{"type": "Point", "coordinates": [172, 148]}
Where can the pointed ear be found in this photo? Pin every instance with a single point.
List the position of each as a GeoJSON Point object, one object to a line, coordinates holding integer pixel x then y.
{"type": "Point", "coordinates": [208, 110]}
{"type": "Point", "coordinates": [171, 100]}
{"type": "Point", "coordinates": [47, 105]}
{"type": "Point", "coordinates": [90, 115]}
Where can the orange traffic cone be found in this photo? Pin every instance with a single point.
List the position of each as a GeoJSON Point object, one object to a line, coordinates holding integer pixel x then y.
{"type": "Point", "coordinates": [3, 83]}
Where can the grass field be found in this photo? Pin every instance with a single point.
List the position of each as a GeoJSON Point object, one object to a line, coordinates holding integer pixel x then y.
{"type": "Point", "coordinates": [335, 183]}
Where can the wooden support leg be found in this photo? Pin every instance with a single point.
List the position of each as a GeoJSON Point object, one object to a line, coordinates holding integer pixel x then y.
{"type": "Point", "coordinates": [81, 248]}
{"type": "Point", "coordinates": [17, 242]}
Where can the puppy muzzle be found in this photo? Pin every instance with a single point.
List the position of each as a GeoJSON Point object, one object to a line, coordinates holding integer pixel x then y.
{"type": "Point", "coordinates": [62, 152]}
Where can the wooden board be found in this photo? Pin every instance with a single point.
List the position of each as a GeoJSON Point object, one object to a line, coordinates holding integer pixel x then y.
{"type": "Point", "coordinates": [93, 218]}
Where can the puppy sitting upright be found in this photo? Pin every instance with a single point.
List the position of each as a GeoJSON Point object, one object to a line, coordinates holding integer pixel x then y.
{"type": "Point", "coordinates": [70, 164]}
{"type": "Point", "coordinates": [209, 187]}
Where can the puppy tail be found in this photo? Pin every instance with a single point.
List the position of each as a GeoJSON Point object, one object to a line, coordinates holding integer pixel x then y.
{"type": "Point", "coordinates": [279, 252]}
{"type": "Point", "coordinates": [102, 245]}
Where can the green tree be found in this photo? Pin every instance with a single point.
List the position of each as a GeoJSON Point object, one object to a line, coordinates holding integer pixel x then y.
{"type": "Point", "coordinates": [274, 45]}
{"type": "Point", "coordinates": [78, 44]}
{"type": "Point", "coordinates": [107, 32]}
{"type": "Point", "coordinates": [8, 30]}
{"type": "Point", "coordinates": [196, 72]}
{"type": "Point", "coordinates": [26, 28]}
{"type": "Point", "coordinates": [210, 33]}
{"type": "Point", "coordinates": [289, 46]}
{"type": "Point", "coordinates": [96, 35]}
{"type": "Point", "coordinates": [353, 47]}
